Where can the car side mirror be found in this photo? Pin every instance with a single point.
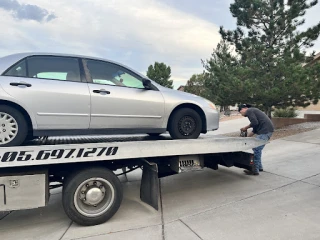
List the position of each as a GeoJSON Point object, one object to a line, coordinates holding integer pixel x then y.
{"type": "Point", "coordinates": [146, 83]}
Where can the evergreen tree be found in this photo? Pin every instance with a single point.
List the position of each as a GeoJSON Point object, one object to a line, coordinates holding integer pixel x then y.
{"type": "Point", "coordinates": [223, 79]}
{"type": "Point", "coordinates": [196, 86]}
{"type": "Point", "coordinates": [273, 52]}
{"type": "Point", "coordinates": [160, 73]}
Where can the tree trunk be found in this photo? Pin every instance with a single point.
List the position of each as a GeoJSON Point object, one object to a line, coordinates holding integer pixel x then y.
{"type": "Point", "coordinates": [268, 111]}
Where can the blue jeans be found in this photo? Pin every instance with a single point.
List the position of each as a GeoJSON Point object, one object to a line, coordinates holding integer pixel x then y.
{"type": "Point", "coordinates": [258, 151]}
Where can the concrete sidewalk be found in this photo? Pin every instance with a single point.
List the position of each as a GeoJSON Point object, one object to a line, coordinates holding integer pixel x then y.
{"type": "Point", "coordinates": [281, 203]}
{"type": "Point", "coordinates": [230, 126]}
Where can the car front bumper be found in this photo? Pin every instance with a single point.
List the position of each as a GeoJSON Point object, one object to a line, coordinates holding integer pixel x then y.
{"type": "Point", "coordinates": [212, 117]}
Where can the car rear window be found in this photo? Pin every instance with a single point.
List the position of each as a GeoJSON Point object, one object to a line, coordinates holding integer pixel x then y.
{"type": "Point", "coordinates": [17, 70]}
{"type": "Point", "coordinates": [57, 68]}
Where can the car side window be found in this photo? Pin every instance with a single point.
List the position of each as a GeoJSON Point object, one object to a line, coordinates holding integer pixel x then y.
{"type": "Point", "coordinates": [111, 74]}
{"type": "Point", "coordinates": [54, 68]}
{"type": "Point", "coordinates": [18, 70]}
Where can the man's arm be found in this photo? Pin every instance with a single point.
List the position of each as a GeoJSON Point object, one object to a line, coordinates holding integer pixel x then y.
{"type": "Point", "coordinates": [253, 121]}
{"type": "Point", "coordinates": [250, 134]}
{"type": "Point", "coordinates": [245, 128]}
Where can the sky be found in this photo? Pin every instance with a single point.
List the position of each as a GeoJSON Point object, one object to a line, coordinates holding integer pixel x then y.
{"type": "Point", "coordinates": [133, 32]}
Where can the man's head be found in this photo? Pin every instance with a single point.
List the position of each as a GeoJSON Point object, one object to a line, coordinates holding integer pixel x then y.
{"type": "Point", "coordinates": [243, 109]}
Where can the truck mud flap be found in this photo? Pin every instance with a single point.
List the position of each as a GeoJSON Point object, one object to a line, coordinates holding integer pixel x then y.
{"type": "Point", "coordinates": [237, 159]}
{"type": "Point", "coordinates": [244, 160]}
{"type": "Point", "coordinates": [149, 189]}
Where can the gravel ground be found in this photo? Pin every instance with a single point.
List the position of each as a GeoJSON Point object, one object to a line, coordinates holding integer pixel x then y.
{"type": "Point", "coordinates": [287, 131]}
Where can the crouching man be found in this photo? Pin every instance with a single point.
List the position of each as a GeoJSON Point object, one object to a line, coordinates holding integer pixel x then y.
{"type": "Point", "coordinates": [262, 126]}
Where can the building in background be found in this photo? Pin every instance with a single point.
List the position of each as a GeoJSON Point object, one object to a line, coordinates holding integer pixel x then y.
{"type": "Point", "coordinates": [315, 59]}
{"type": "Point", "coordinates": [181, 88]}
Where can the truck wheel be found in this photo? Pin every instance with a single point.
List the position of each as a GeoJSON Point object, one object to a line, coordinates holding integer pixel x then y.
{"type": "Point", "coordinates": [92, 196]}
{"type": "Point", "coordinates": [185, 123]}
{"type": "Point", "coordinates": [13, 127]}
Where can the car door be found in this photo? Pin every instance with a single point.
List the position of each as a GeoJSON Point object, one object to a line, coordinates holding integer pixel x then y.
{"type": "Point", "coordinates": [50, 87]}
{"type": "Point", "coordinates": [119, 99]}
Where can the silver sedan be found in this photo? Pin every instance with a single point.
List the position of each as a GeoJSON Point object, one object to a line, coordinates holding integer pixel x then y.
{"type": "Point", "coordinates": [44, 94]}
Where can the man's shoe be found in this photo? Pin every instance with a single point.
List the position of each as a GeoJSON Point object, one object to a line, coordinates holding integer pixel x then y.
{"type": "Point", "coordinates": [251, 172]}
{"type": "Point", "coordinates": [261, 170]}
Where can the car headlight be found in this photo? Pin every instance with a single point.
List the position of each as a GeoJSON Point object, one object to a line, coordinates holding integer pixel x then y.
{"type": "Point", "coordinates": [211, 104]}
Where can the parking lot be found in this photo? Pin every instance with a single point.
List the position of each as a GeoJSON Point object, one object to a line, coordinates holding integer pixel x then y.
{"type": "Point", "coordinates": [281, 203]}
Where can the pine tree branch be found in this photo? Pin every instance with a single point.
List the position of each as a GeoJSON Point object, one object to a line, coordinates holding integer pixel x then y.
{"type": "Point", "coordinates": [281, 32]}
{"type": "Point", "coordinates": [260, 18]}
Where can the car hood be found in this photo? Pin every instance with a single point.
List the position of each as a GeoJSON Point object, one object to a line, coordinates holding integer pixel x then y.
{"type": "Point", "coordinates": [177, 92]}
{"type": "Point", "coordinates": [182, 96]}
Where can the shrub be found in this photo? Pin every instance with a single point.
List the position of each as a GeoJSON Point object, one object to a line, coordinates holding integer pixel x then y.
{"type": "Point", "coordinates": [285, 113]}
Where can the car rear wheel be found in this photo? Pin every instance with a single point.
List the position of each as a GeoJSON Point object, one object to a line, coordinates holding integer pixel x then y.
{"type": "Point", "coordinates": [13, 127]}
{"type": "Point", "coordinates": [185, 123]}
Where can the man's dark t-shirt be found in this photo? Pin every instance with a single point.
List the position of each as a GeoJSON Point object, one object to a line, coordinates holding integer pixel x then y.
{"type": "Point", "coordinates": [260, 122]}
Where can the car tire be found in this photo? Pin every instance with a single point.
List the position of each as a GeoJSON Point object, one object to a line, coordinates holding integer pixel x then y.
{"type": "Point", "coordinates": [18, 127]}
{"type": "Point", "coordinates": [185, 123]}
{"type": "Point", "coordinates": [76, 192]}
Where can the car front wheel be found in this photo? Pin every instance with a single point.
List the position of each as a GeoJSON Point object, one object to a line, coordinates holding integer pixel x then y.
{"type": "Point", "coordinates": [185, 123]}
{"type": "Point", "coordinates": [13, 127]}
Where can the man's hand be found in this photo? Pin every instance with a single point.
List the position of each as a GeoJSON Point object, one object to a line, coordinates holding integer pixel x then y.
{"type": "Point", "coordinates": [245, 128]}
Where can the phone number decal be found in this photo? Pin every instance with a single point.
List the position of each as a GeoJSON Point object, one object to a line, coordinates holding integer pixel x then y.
{"type": "Point", "coordinates": [22, 156]}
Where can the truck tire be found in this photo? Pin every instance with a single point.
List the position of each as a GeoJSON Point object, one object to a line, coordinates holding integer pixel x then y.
{"type": "Point", "coordinates": [13, 127]}
{"type": "Point", "coordinates": [185, 123]}
{"type": "Point", "coordinates": [91, 196]}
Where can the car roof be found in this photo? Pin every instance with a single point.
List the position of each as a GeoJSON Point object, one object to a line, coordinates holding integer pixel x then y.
{"type": "Point", "coordinates": [9, 60]}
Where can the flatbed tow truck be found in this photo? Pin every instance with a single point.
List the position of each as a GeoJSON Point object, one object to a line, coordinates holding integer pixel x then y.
{"type": "Point", "coordinates": [84, 167]}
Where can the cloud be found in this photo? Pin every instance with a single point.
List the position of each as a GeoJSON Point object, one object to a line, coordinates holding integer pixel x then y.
{"type": "Point", "coordinates": [136, 33]}
{"type": "Point", "coordinates": [312, 19]}
{"type": "Point", "coordinates": [26, 11]}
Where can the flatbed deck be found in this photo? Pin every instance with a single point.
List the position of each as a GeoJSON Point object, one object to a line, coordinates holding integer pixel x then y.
{"type": "Point", "coordinates": [84, 149]}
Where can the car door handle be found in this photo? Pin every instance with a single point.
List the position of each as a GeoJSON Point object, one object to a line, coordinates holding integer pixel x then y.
{"type": "Point", "coordinates": [101, 91]}
{"type": "Point", "coordinates": [16, 84]}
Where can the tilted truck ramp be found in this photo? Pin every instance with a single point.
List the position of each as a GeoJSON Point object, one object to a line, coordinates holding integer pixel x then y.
{"type": "Point", "coordinates": [58, 152]}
